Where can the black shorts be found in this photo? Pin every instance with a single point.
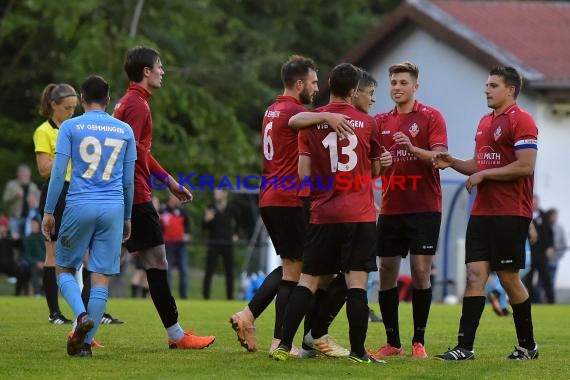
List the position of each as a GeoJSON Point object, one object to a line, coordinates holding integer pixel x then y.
{"type": "Point", "coordinates": [145, 228]}
{"type": "Point", "coordinates": [499, 240]}
{"type": "Point", "coordinates": [414, 233]}
{"type": "Point", "coordinates": [59, 207]}
{"type": "Point", "coordinates": [286, 228]}
{"type": "Point", "coordinates": [340, 247]}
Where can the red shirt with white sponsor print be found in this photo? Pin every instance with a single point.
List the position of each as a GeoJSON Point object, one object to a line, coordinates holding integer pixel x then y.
{"type": "Point", "coordinates": [497, 140]}
{"type": "Point", "coordinates": [280, 154]}
{"type": "Point", "coordinates": [426, 129]}
{"type": "Point", "coordinates": [134, 110]}
{"type": "Point", "coordinates": [337, 165]}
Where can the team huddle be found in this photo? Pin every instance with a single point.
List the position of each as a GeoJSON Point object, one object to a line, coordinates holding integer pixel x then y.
{"type": "Point", "coordinates": [329, 237]}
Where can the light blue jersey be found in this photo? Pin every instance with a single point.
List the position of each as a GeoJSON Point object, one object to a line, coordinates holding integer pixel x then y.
{"type": "Point", "coordinates": [98, 145]}
{"type": "Point", "coordinates": [102, 151]}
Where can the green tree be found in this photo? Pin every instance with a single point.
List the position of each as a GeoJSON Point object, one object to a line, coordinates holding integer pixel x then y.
{"type": "Point", "coordinates": [222, 61]}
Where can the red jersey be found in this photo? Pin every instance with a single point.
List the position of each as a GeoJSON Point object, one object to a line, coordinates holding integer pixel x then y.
{"type": "Point", "coordinates": [336, 162]}
{"type": "Point", "coordinates": [497, 140]}
{"type": "Point", "coordinates": [421, 192]}
{"type": "Point", "coordinates": [279, 154]}
{"type": "Point", "coordinates": [134, 110]}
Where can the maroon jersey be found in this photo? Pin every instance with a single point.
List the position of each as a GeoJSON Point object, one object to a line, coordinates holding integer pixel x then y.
{"type": "Point", "coordinates": [338, 167]}
{"type": "Point", "coordinates": [421, 191]}
{"type": "Point", "coordinates": [279, 173]}
{"type": "Point", "coordinates": [134, 110]}
{"type": "Point", "coordinates": [497, 140]}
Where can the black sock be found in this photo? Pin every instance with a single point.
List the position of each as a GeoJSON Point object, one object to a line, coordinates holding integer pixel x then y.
{"type": "Point", "coordinates": [523, 324]}
{"type": "Point", "coordinates": [332, 302]}
{"type": "Point", "coordinates": [51, 289]}
{"type": "Point", "coordinates": [266, 292]}
{"type": "Point", "coordinates": [470, 317]}
{"type": "Point", "coordinates": [144, 292]}
{"type": "Point", "coordinates": [161, 296]}
{"type": "Point", "coordinates": [421, 302]}
{"type": "Point", "coordinates": [299, 303]}
{"type": "Point", "coordinates": [281, 301]}
{"type": "Point", "coordinates": [135, 291]}
{"type": "Point", "coordinates": [357, 314]}
{"type": "Point", "coordinates": [316, 304]}
{"type": "Point", "coordinates": [389, 302]}
{"type": "Point", "coordinates": [86, 291]}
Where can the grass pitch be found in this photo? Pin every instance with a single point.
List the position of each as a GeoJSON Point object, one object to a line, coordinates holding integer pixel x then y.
{"type": "Point", "coordinates": [32, 348]}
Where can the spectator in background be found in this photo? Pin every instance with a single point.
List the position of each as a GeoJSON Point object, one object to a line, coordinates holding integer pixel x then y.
{"type": "Point", "coordinates": [15, 197]}
{"type": "Point", "coordinates": [33, 213]}
{"type": "Point", "coordinates": [541, 251]}
{"type": "Point", "coordinates": [220, 219]}
{"type": "Point", "coordinates": [176, 232]}
{"type": "Point", "coordinates": [560, 244]}
{"type": "Point", "coordinates": [8, 265]}
{"type": "Point", "coordinates": [34, 255]}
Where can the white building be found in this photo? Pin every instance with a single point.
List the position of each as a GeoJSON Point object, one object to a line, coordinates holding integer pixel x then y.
{"type": "Point", "coordinates": [455, 44]}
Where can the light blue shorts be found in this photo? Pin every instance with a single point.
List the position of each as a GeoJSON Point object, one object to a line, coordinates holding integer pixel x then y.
{"type": "Point", "coordinates": [97, 227]}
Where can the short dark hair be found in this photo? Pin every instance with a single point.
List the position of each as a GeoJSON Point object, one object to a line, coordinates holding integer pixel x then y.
{"type": "Point", "coordinates": [405, 67]}
{"type": "Point", "coordinates": [137, 59]}
{"type": "Point", "coordinates": [367, 79]}
{"type": "Point", "coordinates": [296, 68]}
{"type": "Point", "coordinates": [510, 76]}
{"type": "Point", "coordinates": [95, 90]}
{"type": "Point", "coordinates": [344, 77]}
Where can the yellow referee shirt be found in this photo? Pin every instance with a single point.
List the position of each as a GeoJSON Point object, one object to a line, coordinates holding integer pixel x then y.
{"type": "Point", "coordinates": [45, 138]}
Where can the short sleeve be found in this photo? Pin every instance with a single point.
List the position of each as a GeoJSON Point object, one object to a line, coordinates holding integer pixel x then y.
{"type": "Point", "coordinates": [42, 142]}
{"type": "Point", "coordinates": [437, 130]}
{"type": "Point", "coordinates": [525, 132]}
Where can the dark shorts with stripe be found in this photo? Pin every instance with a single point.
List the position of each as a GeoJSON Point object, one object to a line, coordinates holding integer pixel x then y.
{"type": "Point", "coordinates": [286, 227]}
{"type": "Point", "coordinates": [499, 240]}
{"type": "Point", "coordinates": [414, 233]}
{"type": "Point", "coordinates": [340, 247]}
{"type": "Point", "coordinates": [146, 231]}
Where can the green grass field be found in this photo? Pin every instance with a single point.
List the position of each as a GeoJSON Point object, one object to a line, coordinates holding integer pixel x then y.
{"type": "Point", "coordinates": [32, 348]}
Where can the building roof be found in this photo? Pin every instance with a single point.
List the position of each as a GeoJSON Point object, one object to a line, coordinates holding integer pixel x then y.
{"type": "Point", "coordinates": [533, 36]}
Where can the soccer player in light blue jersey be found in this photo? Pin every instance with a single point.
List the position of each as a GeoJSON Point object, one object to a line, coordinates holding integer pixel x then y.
{"type": "Point", "coordinates": [98, 207]}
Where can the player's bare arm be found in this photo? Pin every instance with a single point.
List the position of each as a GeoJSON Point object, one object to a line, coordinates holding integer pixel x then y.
{"type": "Point", "coordinates": [443, 160]}
{"type": "Point", "coordinates": [44, 164]}
{"type": "Point", "coordinates": [521, 167]}
{"type": "Point", "coordinates": [338, 122]}
{"type": "Point", "coordinates": [376, 167]}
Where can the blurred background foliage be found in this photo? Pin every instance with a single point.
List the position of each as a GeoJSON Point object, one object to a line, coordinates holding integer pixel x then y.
{"type": "Point", "coordinates": [222, 60]}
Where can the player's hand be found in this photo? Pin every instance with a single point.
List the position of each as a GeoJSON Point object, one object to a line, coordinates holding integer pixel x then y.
{"type": "Point", "coordinates": [209, 214]}
{"type": "Point", "coordinates": [183, 194]}
{"type": "Point", "coordinates": [385, 158]}
{"type": "Point", "coordinates": [442, 160]}
{"type": "Point", "coordinates": [339, 123]}
{"type": "Point", "coordinates": [474, 180]}
{"type": "Point", "coordinates": [403, 141]}
{"type": "Point", "coordinates": [48, 226]}
{"type": "Point", "coordinates": [126, 231]}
